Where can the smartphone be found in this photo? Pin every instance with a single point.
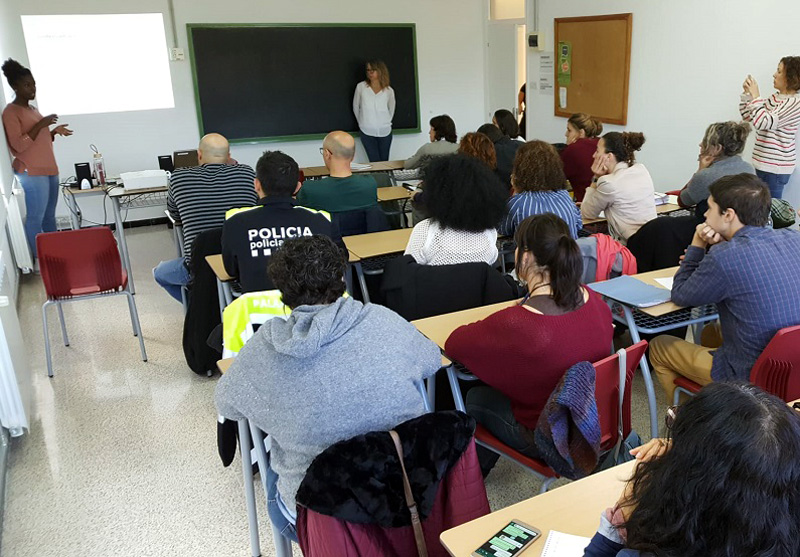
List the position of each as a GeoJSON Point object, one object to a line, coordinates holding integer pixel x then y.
{"type": "Point", "coordinates": [409, 187]}
{"type": "Point", "coordinates": [512, 540]}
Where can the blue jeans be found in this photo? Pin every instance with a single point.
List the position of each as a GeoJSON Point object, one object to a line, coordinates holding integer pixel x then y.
{"type": "Point", "coordinates": [285, 526]}
{"type": "Point", "coordinates": [775, 182]}
{"type": "Point", "coordinates": [41, 197]}
{"type": "Point", "coordinates": [172, 275]}
{"type": "Point", "coordinates": [377, 148]}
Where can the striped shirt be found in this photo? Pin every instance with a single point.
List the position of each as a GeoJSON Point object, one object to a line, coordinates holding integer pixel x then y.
{"type": "Point", "coordinates": [753, 279]}
{"type": "Point", "coordinates": [527, 203]}
{"type": "Point", "coordinates": [776, 121]}
{"type": "Point", "coordinates": [198, 197]}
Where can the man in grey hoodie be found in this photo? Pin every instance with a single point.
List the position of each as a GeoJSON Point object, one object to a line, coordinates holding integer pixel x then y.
{"type": "Point", "coordinates": [336, 368]}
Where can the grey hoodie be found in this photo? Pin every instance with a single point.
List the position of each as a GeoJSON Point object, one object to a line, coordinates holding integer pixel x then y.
{"type": "Point", "coordinates": [326, 374]}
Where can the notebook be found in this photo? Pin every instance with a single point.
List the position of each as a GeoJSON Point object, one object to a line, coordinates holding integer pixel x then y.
{"type": "Point", "coordinates": [559, 544]}
{"type": "Point", "coordinates": [631, 291]}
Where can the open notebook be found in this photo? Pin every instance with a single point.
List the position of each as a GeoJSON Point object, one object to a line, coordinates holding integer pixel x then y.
{"type": "Point", "coordinates": [559, 544]}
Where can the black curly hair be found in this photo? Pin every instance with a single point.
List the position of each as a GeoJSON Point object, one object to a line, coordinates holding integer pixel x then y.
{"type": "Point", "coordinates": [14, 71]}
{"type": "Point", "coordinates": [462, 193]}
{"type": "Point", "coordinates": [308, 271]}
{"type": "Point", "coordinates": [730, 483]}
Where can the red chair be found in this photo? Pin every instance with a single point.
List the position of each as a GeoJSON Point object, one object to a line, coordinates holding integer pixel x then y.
{"type": "Point", "coordinates": [81, 264]}
{"type": "Point", "coordinates": [777, 370]}
{"type": "Point", "coordinates": [613, 409]}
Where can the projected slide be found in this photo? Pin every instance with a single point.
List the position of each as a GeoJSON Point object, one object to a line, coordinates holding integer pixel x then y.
{"type": "Point", "coordinates": [86, 64]}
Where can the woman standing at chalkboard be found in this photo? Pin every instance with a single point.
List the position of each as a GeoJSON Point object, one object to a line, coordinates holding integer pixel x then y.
{"type": "Point", "coordinates": [373, 105]}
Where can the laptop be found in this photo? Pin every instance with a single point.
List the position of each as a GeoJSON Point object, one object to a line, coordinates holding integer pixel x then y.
{"type": "Point", "coordinates": [185, 159]}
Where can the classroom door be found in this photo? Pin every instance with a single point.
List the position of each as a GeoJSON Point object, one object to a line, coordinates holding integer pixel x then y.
{"type": "Point", "coordinates": [506, 64]}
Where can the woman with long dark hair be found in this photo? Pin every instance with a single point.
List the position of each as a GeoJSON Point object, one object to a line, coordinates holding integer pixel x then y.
{"type": "Point", "coordinates": [725, 482]}
{"type": "Point", "coordinates": [522, 352]}
{"type": "Point", "coordinates": [30, 140]}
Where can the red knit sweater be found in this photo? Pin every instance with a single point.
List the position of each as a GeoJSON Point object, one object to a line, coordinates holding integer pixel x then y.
{"type": "Point", "coordinates": [524, 354]}
{"type": "Point", "coordinates": [577, 159]}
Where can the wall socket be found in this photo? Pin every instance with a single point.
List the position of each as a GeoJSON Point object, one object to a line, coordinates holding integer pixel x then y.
{"type": "Point", "coordinates": [176, 55]}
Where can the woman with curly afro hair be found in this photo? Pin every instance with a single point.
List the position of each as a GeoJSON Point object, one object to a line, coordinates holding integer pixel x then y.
{"type": "Point", "coordinates": [465, 201]}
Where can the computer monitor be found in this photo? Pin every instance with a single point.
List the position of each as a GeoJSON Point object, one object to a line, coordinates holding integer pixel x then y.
{"type": "Point", "coordinates": [185, 159]}
{"type": "Point", "coordinates": [165, 163]}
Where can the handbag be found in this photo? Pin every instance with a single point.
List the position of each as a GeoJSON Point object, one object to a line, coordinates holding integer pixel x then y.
{"type": "Point", "coordinates": [782, 213]}
{"type": "Point", "coordinates": [419, 536]}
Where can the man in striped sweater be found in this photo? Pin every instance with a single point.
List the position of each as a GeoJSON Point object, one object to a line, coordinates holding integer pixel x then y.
{"type": "Point", "coordinates": [776, 120]}
{"type": "Point", "coordinates": [198, 198]}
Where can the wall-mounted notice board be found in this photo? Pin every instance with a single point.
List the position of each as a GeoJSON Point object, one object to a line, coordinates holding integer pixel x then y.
{"type": "Point", "coordinates": [283, 82]}
{"type": "Point", "coordinates": [593, 60]}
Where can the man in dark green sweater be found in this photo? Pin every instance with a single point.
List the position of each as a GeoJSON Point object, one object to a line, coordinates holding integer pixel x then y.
{"type": "Point", "coordinates": [341, 191]}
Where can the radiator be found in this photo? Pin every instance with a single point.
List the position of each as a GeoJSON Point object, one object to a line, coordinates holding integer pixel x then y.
{"type": "Point", "coordinates": [15, 379]}
{"type": "Point", "coordinates": [16, 231]}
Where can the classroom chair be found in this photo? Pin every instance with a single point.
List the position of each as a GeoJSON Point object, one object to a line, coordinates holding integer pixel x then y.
{"type": "Point", "coordinates": [82, 264]}
{"type": "Point", "coordinates": [253, 439]}
{"type": "Point", "coordinates": [613, 396]}
{"type": "Point", "coordinates": [777, 370]}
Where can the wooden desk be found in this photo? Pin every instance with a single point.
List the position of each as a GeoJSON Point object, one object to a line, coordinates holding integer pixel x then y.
{"type": "Point", "coordinates": [394, 193]}
{"type": "Point", "coordinates": [439, 327]}
{"type": "Point", "coordinates": [660, 210]}
{"type": "Point", "coordinates": [217, 265]}
{"type": "Point", "coordinates": [378, 243]}
{"type": "Point", "coordinates": [650, 278]}
{"type": "Point", "coordinates": [382, 166]}
{"type": "Point", "coordinates": [573, 509]}
{"type": "Point", "coordinates": [224, 364]}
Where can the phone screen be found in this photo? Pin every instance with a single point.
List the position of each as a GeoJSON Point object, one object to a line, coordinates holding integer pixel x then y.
{"type": "Point", "coordinates": [509, 541]}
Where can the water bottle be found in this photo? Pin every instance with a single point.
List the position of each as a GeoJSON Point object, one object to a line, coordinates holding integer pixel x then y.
{"type": "Point", "coordinates": [99, 169]}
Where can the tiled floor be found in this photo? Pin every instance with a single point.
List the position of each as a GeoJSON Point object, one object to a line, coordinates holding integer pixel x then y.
{"type": "Point", "coordinates": [121, 457]}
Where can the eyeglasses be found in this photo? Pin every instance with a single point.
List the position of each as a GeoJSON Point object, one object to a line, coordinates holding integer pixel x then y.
{"type": "Point", "coordinates": [669, 418]}
{"type": "Point", "coordinates": [322, 151]}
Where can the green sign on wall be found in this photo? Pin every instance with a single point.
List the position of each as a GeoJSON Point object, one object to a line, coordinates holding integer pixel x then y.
{"type": "Point", "coordinates": [564, 63]}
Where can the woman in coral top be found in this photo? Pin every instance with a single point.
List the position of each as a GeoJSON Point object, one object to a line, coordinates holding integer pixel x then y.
{"type": "Point", "coordinates": [523, 351]}
{"type": "Point", "coordinates": [30, 140]}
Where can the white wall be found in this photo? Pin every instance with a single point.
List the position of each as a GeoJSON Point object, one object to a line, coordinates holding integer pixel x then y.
{"type": "Point", "coordinates": [448, 49]}
{"type": "Point", "coordinates": [688, 61]}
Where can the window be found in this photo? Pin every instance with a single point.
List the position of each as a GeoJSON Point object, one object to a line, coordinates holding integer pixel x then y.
{"type": "Point", "coordinates": [506, 9]}
{"type": "Point", "coordinates": [87, 64]}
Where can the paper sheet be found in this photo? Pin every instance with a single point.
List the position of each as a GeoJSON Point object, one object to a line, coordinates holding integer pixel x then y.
{"type": "Point", "coordinates": [665, 282]}
{"type": "Point", "coordinates": [559, 544]}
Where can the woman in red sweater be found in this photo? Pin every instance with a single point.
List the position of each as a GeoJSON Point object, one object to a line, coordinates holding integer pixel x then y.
{"type": "Point", "coordinates": [523, 351]}
{"type": "Point", "coordinates": [582, 136]}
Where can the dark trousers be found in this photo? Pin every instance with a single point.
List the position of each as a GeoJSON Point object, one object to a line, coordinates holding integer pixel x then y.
{"type": "Point", "coordinates": [492, 409]}
{"type": "Point", "coordinates": [775, 182]}
{"type": "Point", "coordinates": [377, 148]}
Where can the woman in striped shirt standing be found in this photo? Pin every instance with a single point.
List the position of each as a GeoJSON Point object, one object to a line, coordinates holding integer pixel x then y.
{"type": "Point", "coordinates": [776, 120]}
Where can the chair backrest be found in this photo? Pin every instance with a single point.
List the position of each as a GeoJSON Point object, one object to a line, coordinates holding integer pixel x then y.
{"type": "Point", "coordinates": [360, 221]}
{"type": "Point", "coordinates": [777, 370]}
{"type": "Point", "coordinates": [74, 262]}
{"type": "Point", "coordinates": [607, 393]}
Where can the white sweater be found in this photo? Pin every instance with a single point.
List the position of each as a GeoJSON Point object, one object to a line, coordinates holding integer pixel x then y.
{"type": "Point", "coordinates": [627, 197]}
{"type": "Point", "coordinates": [374, 111]}
{"type": "Point", "coordinates": [432, 244]}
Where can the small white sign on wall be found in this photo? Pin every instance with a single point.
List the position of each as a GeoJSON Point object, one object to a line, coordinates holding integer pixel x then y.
{"type": "Point", "coordinates": [546, 72]}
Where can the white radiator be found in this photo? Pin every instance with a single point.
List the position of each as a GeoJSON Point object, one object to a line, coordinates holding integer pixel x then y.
{"type": "Point", "coordinates": [15, 379]}
{"type": "Point", "coordinates": [16, 230]}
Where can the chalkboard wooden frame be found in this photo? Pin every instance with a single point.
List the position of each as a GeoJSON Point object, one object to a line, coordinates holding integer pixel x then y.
{"type": "Point", "coordinates": [306, 136]}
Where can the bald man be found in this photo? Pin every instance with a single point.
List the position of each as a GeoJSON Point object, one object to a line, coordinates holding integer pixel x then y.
{"type": "Point", "coordinates": [198, 198]}
{"type": "Point", "coordinates": [342, 191]}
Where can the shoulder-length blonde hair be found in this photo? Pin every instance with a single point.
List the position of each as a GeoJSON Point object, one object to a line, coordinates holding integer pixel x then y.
{"type": "Point", "coordinates": [383, 72]}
